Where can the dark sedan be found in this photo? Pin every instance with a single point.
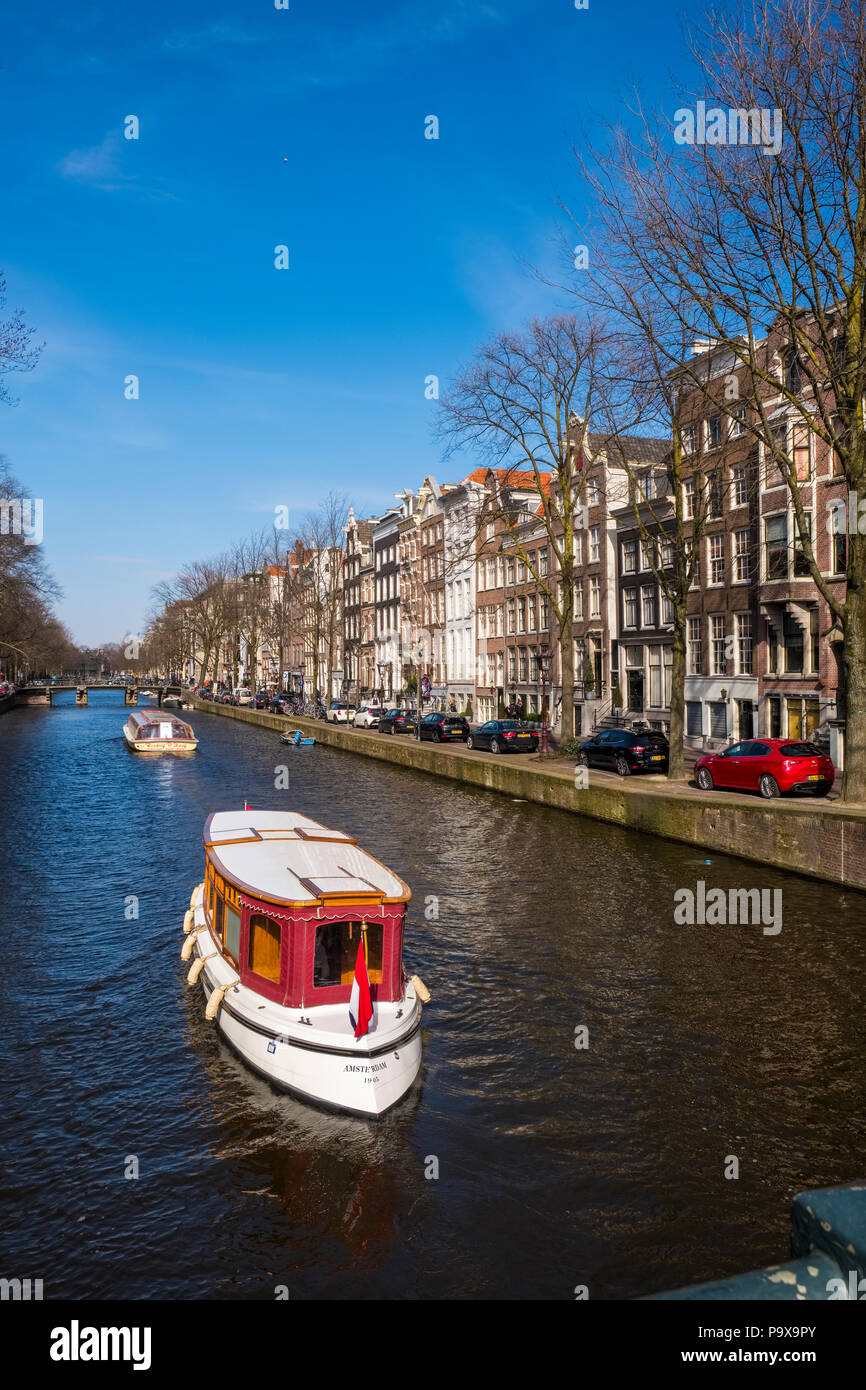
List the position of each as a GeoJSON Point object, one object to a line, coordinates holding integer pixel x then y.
{"type": "Point", "coordinates": [398, 721]}
{"type": "Point", "coordinates": [503, 736]}
{"type": "Point", "coordinates": [444, 728]}
{"type": "Point", "coordinates": [624, 752]}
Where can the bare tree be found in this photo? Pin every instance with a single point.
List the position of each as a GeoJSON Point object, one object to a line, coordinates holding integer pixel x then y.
{"type": "Point", "coordinates": [18, 353]}
{"type": "Point", "coordinates": [753, 232]}
{"type": "Point", "coordinates": [527, 403]}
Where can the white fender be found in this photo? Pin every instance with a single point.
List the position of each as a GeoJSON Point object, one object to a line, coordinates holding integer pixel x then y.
{"type": "Point", "coordinates": [199, 888]}
{"type": "Point", "coordinates": [187, 947]}
{"type": "Point", "coordinates": [216, 999]}
{"type": "Point", "coordinates": [188, 918]}
{"type": "Point", "coordinates": [196, 968]}
{"type": "Point", "coordinates": [420, 988]}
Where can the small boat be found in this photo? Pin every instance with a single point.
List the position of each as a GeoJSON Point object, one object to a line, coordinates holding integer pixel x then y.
{"type": "Point", "coordinates": [296, 739]}
{"type": "Point", "coordinates": [147, 694]}
{"type": "Point", "coordinates": [150, 731]}
{"type": "Point", "coordinates": [275, 930]}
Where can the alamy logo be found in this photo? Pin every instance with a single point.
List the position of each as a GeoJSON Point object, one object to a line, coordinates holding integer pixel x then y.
{"type": "Point", "coordinates": [736, 126]}
{"type": "Point", "coordinates": [22, 516]}
{"type": "Point", "coordinates": [20, 1290]}
{"type": "Point", "coordinates": [739, 906]}
{"type": "Point", "coordinates": [77, 1343]}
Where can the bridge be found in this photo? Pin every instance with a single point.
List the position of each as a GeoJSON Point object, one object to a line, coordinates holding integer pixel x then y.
{"type": "Point", "coordinates": [44, 694]}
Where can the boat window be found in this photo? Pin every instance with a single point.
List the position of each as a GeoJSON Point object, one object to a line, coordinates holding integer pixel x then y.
{"type": "Point", "coordinates": [264, 957]}
{"type": "Point", "coordinates": [218, 916]}
{"type": "Point", "coordinates": [337, 951]}
{"type": "Point", "coordinates": [232, 936]}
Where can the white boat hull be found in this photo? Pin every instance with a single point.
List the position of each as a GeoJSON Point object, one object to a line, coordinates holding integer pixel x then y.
{"type": "Point", "coordinates": [366, 1076]}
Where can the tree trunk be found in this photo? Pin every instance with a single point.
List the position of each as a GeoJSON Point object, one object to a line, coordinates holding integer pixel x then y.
{"type": "Point", "coordinates": [566, 673]}
{"type": "Point", "coordinates": [854, 776]}
{"type": "Point", "coordinates": [677, 760]}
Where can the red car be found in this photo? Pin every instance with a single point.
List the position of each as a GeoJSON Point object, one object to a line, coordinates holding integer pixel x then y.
{"type": "Point", "coordinates": [770, 766]}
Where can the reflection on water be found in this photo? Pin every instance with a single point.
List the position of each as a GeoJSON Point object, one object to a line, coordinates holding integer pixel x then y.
{"type": "Point", "coordinates": [556, 1165]}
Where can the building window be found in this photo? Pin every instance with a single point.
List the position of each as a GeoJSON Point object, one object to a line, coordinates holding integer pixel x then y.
{"type": "Point", "coordinates": [714, 431]}
{"type": "Point", "coordinates": [689, 498]}
{"type": "Point", "coordinates": [690, 439]}
{"type": "Point", "coordinates": [716, 546]}
{"type": "Point", "coordinates": [667, 554]}
{"type": "Point", "coordinates": [744, 643]}
{"type": "Point", "coordinates": [775, 716]}
{"type": "Point", "coordinates": [648, 599]}
{"type": "Point", "coordinates": [696, 648]}
{"type": "Point", "coordinates": [737, 426]}
{"type": "Point", "coordinates": [521, 572]}
{"type": "Point", "coordinates": [840, 553]}
{"type": "Point", "coordinates": [692, 562]}
{"type": "Point", "coordinates": [543, 562]}
{"type": "Point", "coordinates": [595, 597]}
{"type": "Point", "coordinates": [510, 579]}
{"type": "Point", "coordinates": [511, 615]}
{"type": "Point", "coordinates": [521, 615]}
{"type": "Point", "coordinates": [594, 545]}
{"type": "Point", "coordinates": [801, 564]}
{"type": "Point", "coordinates": [593, 492]}
{"type": "Point", "coordinates": [512, 665]}
{"type": "Point", "coordinates": [694, 711]}
{"type": "Point", "coordinates": [717, 638]}
{"type": "Point", "coordinates": [776, 538]}
{"type": "Point", "coordinates": [578, 600]}
{"type": "Point", "coordinates": [714, 494]}
{"type": "Point", "coordinates": [545, 613]}
{"type": "Point", "coordinates": [740, 487]}
{"type": "Point", "coordinates": [660, 670]}
{"type": "Point", "coordinates": [667, 611]}
{"type": "Point", "coordinates": [645, 555]}
{"type": "Point", "coordinates": [522, 663]}
{"type": "Point", "coordinates": [742, 556]}
{"type": "Point", "coordinates": [802, 452]}
{"type": "Point", "coordinates": [629, 557]}
{"type": "Point", "coordinates": [630, 607]}
{"type": "Point", "coordinates": [793, 371]}
{"type": "Point", "coordinates": [792, 636]}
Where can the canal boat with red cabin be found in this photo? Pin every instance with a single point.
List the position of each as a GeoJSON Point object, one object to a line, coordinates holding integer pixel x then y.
{"type": "Point", "coordinates": [297, 936]}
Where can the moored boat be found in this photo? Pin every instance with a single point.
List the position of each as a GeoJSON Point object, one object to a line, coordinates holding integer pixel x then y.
{"type": "Point", "coordinates": [288, 919]}
{"type": "Point", "coordinates": [150, 731]}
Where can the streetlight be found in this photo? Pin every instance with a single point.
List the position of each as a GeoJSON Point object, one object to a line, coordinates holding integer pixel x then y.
{"type": "Point", "coordinates": [542, 661]}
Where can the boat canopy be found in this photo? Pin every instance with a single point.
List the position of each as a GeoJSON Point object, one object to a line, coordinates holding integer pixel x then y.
{"type": "Point", "coordinates": [145, 723]}
{"type": "Point", "coordinates": [288, 858]}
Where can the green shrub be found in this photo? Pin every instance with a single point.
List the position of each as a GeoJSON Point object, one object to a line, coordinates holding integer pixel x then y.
{"type": "Point", "coordinates": [570, 748]}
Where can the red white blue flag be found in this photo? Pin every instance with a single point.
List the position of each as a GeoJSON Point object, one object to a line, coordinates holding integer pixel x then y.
{"type": "Point", "coordinates": [360, 1003]}
{"type": "Point", "coordinates": [247, 806]}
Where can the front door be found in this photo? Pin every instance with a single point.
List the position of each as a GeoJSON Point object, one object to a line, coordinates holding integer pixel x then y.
{"type": "Point", "coordinates": [746, 719]}
{"type": "Point", "coordinates": [635, 691]}
{"type": "Point", "coordinates": [795, 718]}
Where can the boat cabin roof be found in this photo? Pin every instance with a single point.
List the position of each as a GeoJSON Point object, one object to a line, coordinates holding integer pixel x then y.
{"type": "Point", "coordinates": [142, 718]}
{"type": "Point", "coordinates": [288, 858]}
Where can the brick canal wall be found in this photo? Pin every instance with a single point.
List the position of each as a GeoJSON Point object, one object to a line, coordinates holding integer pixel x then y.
{"type": "Point", "coordinates": [821, 840]}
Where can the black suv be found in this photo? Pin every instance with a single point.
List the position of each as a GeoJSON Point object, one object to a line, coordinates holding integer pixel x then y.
{"type": "Point", "coordinates": [398, 721]}
{"type": "Point", "coordinates": [445, 727]}
{"type": "Point", "coordinates": [624, 752]}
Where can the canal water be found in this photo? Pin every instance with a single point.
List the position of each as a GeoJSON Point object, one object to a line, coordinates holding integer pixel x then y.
{"type": "Point", "coordinates": [558, 1165]}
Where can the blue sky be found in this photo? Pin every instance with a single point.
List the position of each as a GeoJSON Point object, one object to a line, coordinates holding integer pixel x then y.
{"type": "Point", "coordinates": [155, 257]}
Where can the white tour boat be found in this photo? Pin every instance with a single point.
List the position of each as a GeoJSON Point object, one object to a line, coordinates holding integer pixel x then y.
{"type": "Point", "coordinates": [151, 731]}
{"type": "Point", "coordinates": [275, 929]}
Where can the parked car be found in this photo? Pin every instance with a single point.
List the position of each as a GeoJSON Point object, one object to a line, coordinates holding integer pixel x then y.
{"type": "Point", "coordinates": [225, 697]}
{"type": "Point", "coordinates": [243, 696]}
{"type": "Point", "coordinates": [624, 751]}
{"type": "Point", "coordinates": [260, 700]}
{"type": "Point", "coordinates": [398, 721]}
{"type": "Point", "coordinates": [339, 712]}
{"type": "Point", "coordinates": [279, 704]}
{"type": "Point", "coordinates": [771, 766]}
{"type": "Point", "coordinates": [503, 736]}
{"type": "Point", "coordinates": [445, 728]}
{"type": "Point", "coordinates": [367, 716]}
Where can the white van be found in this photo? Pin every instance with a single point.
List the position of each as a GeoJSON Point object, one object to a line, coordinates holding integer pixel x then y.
{"type": "Point", "coordinates": [245, 696]}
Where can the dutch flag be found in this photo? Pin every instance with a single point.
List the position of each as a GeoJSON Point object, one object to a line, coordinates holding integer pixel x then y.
{"type": "Point", "coordinates": [360, 1003]}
